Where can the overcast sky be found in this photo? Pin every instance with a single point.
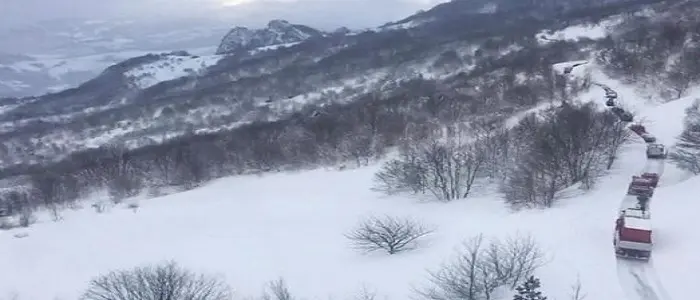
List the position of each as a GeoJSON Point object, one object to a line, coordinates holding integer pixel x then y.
{"type": "Point", "coordinates": [324, 14]}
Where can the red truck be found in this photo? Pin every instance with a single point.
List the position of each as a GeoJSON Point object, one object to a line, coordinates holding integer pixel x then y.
{"type": "Point", "coordinates": [632, 237]}
{"type": "Point", "coordinates": [641, 186]}
{"type": "Point", "coordinates": [653, 179]}
{"type": "Point", "coordinates": [641, 131]}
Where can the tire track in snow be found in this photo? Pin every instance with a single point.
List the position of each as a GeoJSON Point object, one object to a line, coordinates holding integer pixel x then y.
{"type": "Point", "coordinates": [639, 279]}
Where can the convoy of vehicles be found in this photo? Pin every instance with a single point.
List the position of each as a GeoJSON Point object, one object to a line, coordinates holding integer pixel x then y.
{"type": "Point", "coordinates": [633, 231]}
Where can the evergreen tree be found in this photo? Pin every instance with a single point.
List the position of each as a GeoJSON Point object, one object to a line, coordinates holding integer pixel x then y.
{"type": "Point", "coordinates": [529, 290]}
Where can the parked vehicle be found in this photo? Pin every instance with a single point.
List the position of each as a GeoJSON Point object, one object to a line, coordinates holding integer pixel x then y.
{"type": "Point", "coordinates": [610, 102]}
{"type": "Point", "coordinates": [633, 235]}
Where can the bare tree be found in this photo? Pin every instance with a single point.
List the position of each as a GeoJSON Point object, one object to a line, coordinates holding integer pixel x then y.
{"type": "Point", "coordinates": [683, 72]}
{"type": "Point", "coordinates": [387, 233]}
{"type": "Point", "coordinates": [366, 294]}
{"type": "Point", "coordinates": [478, 270]}
{"type": "Point", "coordinates": [571, 145]}
{"type": "Point", "coordinates": [577, 290]}
{"type": "Point", "coordinates": [401, 175]}
{"type": "Point", "coordinates": [615, 134]}
{"type": "Point", "coordinates": [26, 216]}
{"type": "Point", "coordinates": [55, 211]}
{"type": "Point", "coordinates": [513, 259]}
{"type": "Point", "coordinates": [160, 282]}
{"type": "Point", "coordinates": [687, 150]}
{"type": "Point", "coordinates": [447, 170]}
{"type": "Point", "coordinates": [278, 290]}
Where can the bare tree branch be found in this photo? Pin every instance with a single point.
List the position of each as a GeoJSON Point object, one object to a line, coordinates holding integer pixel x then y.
{"type": "Point", "coordinates": [165, 281]}
{"type": "Point", "coordinates": [480, 269]}
{"type": "Point", "coordinates": [390, 234]}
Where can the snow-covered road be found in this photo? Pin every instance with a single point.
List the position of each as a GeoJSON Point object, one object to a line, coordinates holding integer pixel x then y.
{"type": "Point", "coordinates": [638, 279]}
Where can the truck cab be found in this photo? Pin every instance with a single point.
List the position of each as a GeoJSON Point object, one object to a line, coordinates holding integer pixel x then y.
{"type": "Point", "coordinates": [656, 151]}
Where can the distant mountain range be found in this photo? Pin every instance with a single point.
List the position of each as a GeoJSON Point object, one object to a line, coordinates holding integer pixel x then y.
{"type": "Point", "coordinates": [473, 50]}
{"type": "Point", "coordinates": [53, 56]}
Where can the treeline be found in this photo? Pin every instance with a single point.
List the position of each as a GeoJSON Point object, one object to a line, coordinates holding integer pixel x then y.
{"type": "Point", "coordinates": [543, 154]}
{"type": "Point", "coordinates": [657, 48]}
{"type": "Point", "coordinates": [686, 152]}
{"type": "Point", "coordinates": [357, 133]}
{"type": "Point", "coordinates": [479, 269]}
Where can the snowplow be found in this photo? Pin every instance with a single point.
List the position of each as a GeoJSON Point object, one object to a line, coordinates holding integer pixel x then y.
{"type": "Point", "coordinates": [656, 151]}
{"type": "Point", "coordinates": [641, 187]}
{"type": "Point", "coordinates": [632, 238]}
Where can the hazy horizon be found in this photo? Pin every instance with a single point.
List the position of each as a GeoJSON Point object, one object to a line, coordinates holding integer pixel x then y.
{"type": "Point", "coordinates": [323, 14]}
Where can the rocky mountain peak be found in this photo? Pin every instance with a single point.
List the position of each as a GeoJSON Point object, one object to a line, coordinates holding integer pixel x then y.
{"type": "Point", "coordinates": [277, 32]}
{"type": "Point", "coordinates": [278, 25]}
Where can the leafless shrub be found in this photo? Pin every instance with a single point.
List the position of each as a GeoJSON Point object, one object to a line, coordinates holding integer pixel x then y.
{"type": "Point", "coordinates": [99, 207]}
{"type": "Point", "coordinates": [447, 170]}
{"type": "Point", "coordinates": [26, 217]}
{"type": "Point", "coordinates": [366, 294]}
{"type": "Point", "coordinates": [55, 211]}
{"type": "Point", "coordinates": [479, 270]}
{"type": "Point", "coordinates": [577, 291]}
{"type": "Point", "coordinates": [687, 148]}
{"type": "Point", "coordinates": [277, 290]}
{"type": "Point", "coordinates": [133, 206]}
{"type": "Point", "coordinates": [165, 281]}
{"type": "Point", "coordinates": [387, 233]}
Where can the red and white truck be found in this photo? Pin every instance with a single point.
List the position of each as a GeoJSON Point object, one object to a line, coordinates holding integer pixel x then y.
{"type": "Point", "coordinates": [641, 186]}
{"type": "Point", "coordinates": [632, 237]}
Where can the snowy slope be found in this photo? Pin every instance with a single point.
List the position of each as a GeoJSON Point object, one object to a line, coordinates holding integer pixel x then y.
{"type": "Point", "coordinates": [576, 32]}
{"type": "Point", "coordinates": [171, 67]}
{"type": "Point", "coordinates": [52, 73]}
{"type": "Point", "coordinates": [255, 229]}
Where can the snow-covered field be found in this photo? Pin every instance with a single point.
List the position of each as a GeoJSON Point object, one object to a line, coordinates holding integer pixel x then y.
{"type": "Point", "coordinates": [255, 229]}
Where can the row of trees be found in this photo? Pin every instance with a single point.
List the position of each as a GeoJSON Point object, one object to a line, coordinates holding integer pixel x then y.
{"type": "Point", "coordinates": [544, 153]}
{"type": "Point", "coordinates": [478, 270]}
{"type": "Point", "coordinates": [354, 133]}
{"type": "Point", "coordinates": [654, 49]}
{"type": "Point", "coordinates": [687, 151]}
{"type": "Point", "coordinates": [541, 155]}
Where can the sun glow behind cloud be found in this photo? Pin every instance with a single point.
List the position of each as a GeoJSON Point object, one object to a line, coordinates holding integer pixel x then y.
{"type": "Point", "coordinates": [235, 2]}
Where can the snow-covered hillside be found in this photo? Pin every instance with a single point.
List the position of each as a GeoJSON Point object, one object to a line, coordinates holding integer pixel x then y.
{"type": "Point", "coordinates": [254, 229]}
{"type": "Point", "coordinates": [39, 74]}
{"type": "Point", "coordinates": [171, 67]}
{"type": "Point", "coordinates": [575, 32]}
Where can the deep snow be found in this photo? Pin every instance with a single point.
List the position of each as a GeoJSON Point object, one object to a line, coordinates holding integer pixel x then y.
{"type": "Point", "coordinates": [254, 229]}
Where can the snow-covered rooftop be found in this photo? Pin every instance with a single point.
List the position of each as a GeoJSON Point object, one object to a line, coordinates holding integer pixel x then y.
{"type": "Point", "coordinates": [638, 223]}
